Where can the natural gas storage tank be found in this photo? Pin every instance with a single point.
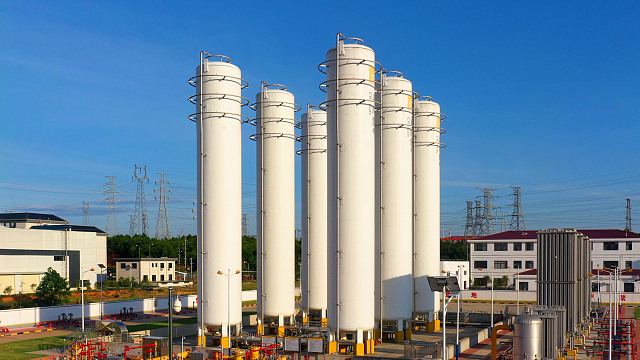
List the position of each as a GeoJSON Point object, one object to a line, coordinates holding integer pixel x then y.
{"type": "Point", "coordinates": [275, 137]}
{"type": "Point", "coordinates": [527, 337]}
{"type": "Point", "coordinates": [351, 193]}
{"type": "Point", "coordinates": [314, 210]}
{"type": "Point", "coordinates": [218, 98]}
{"type": "Point", "coordinates": [394, 223]}
{"type": "Point", "coordinates": [426, 204]}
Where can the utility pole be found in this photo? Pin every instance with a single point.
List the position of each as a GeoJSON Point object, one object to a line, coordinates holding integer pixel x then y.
{"type": "Point", "coordinates": [85, 213]}
{"type": "Point", "coordinates": [517, 217]}
{"type": "Point", "coordinates": [628, 217]}
{"type": "Point", "coordinates": [488, 217]}
{"type": "Point", "coordinates": [477, 220]}
{"type": "Point", "coordinates": [468, 226]}
{"type": "Point", "coordinates": [112, 220]}
{"type": "Point", "coordinates": [245, 225]}
{"type": "Point", "coordinates": [162, 227]}
{"type": "Point", "coordinates": [140, 224]}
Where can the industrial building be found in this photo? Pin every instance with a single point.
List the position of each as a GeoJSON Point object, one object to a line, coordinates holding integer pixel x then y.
{"type": "Point", "coordinates": [146, 269]}
{"type": "Point", "coordinates": [32, 242]}
{"type": "Point", "coordinates": [510, 252]}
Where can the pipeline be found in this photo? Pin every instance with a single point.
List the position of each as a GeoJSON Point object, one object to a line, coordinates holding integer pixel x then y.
{"type": "Point", "coordinates": [494, 339]}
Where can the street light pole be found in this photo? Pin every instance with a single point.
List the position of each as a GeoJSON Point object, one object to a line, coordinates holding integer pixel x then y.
{"type": "Point", "coordinates": [102, 267]}
{"type": "Point", "coordinates": [458, 314]}
{"type": "Point", "coordinates": [150, 249]}
{"type": "Point", "coordinates": [491, 299]}
{"type": "Point", "coordinates": [82, 295]}
{"type": "Point", "coordinates": [228, 275]}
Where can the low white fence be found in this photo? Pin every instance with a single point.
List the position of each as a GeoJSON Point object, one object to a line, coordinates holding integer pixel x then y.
{"type": "Point", "coordinates": [512, 295]}
{"type": "Point", "coordinates": [33, 316]}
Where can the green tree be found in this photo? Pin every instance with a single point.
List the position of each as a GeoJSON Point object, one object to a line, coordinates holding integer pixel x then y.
{"type": "Point", "coordinates": [52, 288]}
{"type": "Point", "coordinates": [8, 290]}
{"type": "Point", "coordinates": [453, 250]}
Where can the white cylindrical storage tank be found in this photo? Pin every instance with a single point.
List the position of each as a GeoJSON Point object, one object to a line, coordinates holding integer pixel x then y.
{"type": "Point", "coordinates": [275, 138]}
{"type": "Point", "coordinates": [350, 90]}
{"type": "Point", "coordinates": [426, 236]}
{"type": "Point", "coordinates": [394, 228]}
{"type": "Point", "coordinates": [314, 210]}
{"type": "Point", "coordinates": [218, 98]}
{"type": "Point", "coordinates": [527, 337]}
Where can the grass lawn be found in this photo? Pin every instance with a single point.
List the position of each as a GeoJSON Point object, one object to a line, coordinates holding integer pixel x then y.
{"type": "Point", "coordinates": [161, 324]}
{"type": "Point", "coordinates": [19, 350]}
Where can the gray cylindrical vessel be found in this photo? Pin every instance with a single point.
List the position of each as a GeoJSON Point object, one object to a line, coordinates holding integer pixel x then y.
{"type": "Point", "coordinates": [527, 337]}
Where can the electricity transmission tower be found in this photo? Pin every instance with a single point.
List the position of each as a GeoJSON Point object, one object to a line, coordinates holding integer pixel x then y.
{"type": "Point", "coordinates": [488, 217]}
{"type": "Point", "coordinates": [468, 226]}
{"type": "Point", "coordinates": [85, 213]}
{"type": "Point", "coordinates": [517, 218]}
{"type": "Point", "coordinates": [140, 211]}
{"type": "Point", "coordinates": [477, 220]}
{"type": "Point", "coordinates": [245, 225]}
{"type": "Point", "coordinates": [112, 221]}
{"type": "Point", "coordinates": [628, 217]}
{"type": "Point", "coordinates": [162, 227]}
{"type": "Point", "coordinates": [132, 226]}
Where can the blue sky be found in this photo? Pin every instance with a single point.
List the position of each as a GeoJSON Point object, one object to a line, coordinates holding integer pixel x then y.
{"type": "Point", "coordinates": [542, 95]}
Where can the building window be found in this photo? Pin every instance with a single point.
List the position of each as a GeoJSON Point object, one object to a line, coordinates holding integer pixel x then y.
{"type": "Point", "coordinates": [528, 246]}
{"type": "Point", "coordinates": [480, 247]}
{"type": "Point", "coordinates": [628, 264]}
{"type": "Point", "coordinates": [523, 285]}
{"type": "Point", "coordinates": [153, 278]}
{"type": "Point", "coordinates": [480, 282]}
{"type": "Point", "coordinates": [517, 264]}
{"type": "Point", "coordinates": [594, 287]}
{"type": "Point", "coordinates": [58, 257]}
{"type": "Point", "coordinates": [610, 264]}
{"type": "Point", "coordinates": [500, 247]}
{"type": "Point", "coordinates": [517, 246]}
{"type": "Point", "coordinates": [161, 265]}
{"type": "Point", "coordinates": [610, 245]}
{"type": "Point", "coordinates": [123, 266]}
{"type": "Point", "coordinates": [170, 277]}
{"type": "Point", "coordinates": [170, 265]}
{"type": "Point", "coordinates": [628, 287]}
{"type": "Point", "coordinates": [629, 245]}
{"type": "Point", "coordinates": [479, 264]}
{"type": "Point", "coordinates": [499, 264]}
{"type": "Point", "coordinates": [161, 277]}
{"type": "Point", "coordinates": [145, 277]}
{"type": "Point", "coordinates": [528, 264]}
{"type": "Point", "coordinates": [134, 265]}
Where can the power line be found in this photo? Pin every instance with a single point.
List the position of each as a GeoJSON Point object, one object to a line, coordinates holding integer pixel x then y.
{"type": "Point", "coordinates": [162, 227]}
{"type": "Point", "coordinates": [140, 224]}
{"type": "Point", "coordinates": [112, 220]}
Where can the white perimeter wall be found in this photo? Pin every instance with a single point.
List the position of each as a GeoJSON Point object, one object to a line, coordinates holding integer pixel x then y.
{"type": "Point", "coordinates": [33, 316]}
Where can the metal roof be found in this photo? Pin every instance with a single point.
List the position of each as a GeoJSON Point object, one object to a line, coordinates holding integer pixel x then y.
{"type": "Point", "coordinates": [79, 228]}
{"type": "Point", "coordinates": [146, 259]}
{"type": "Point", "coordinates": [533, 235]}
{"type": "Point", "coordinates": [26, 216]}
